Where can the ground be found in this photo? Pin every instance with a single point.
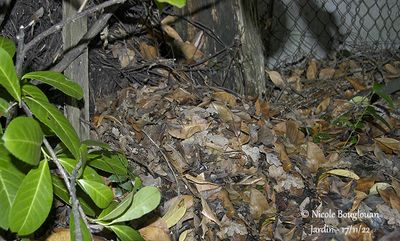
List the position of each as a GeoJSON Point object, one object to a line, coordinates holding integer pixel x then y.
{"type": "Point", "coordinates": [315, 160]}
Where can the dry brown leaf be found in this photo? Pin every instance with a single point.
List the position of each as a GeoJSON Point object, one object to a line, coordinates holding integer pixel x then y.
{"type": "Point", "coordinates": [151, 233]}
{"type": "Point", "coordinates": [392, 70]}
{"type": "Point", "coordinates": [388, 145]}
{"type": "Point", "coordinates": [276, 78]}
{"type": "Point", "coordinates": [312, 70]}
{"type": "Point", "coordinates": [63, 234]}
{"type": "Point", "coordinates": [223, 195]}
{"type": "Point", "coordinates": [360, 196]}
{"type": "Point", "coordinates": [225, 97]}
{"type": "Point", "coordinates": [171, 32]}
{"type": "Point", "coordinates": [323, 105]}
{"type": "Point", "coordinates": [126, 56]}
{"type": "Point", "coordinates": [315, 157]}
{"type": "Point", "coordinates": [326, 73]}
{"type": "Point", "coordinates": [201, 184]}
{"type": "Point", "coordinates": [395, 202]}
{"type": "Point", "coordinates": [186, 131]}
{"type": "Point", "coordinates": [386, 194]}
{"type": "Point", "coordinates": [208, 213]}
{"type": "Point", "coordinates": [190, 52]}
{"type": "Point", "coordinates": [357, 84]}
{"type": "Point", "coordinates": [148, 52]}
{"type": "Point", "coordinates": [396, 186]}
{"type": "Point", "coordinates": [180, 95]}
{"type": "Point", "coordinates": [168, 20]}
{"type": "Point", "coordinates": [364, 184]}
{"type": "Point", "coordinates": [262, 108]}
{"type": "Point", "coordinates": [283, 156]}
{"type": "Point", "coordinates": [225, 113]}
{"type": "Point", "coordinates": [293, 133]}
{"type": "Point", "coordinates": [258, 204]}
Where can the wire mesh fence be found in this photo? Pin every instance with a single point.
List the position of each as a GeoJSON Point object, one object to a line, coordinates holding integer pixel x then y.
{"type": "Point", "coordinates": [294, 29]}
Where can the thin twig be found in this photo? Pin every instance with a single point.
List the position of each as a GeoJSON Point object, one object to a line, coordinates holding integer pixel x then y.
{"type": "Point", "coordinates": [166, 160]}
{"type": "Point", "coordinates": [60, 25]}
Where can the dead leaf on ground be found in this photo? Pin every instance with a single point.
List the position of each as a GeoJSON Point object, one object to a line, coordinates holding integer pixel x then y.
{"type": "Point", "coordinates": [312, 70]}
{"type": "Point", "coordinates": [177, 210]}
{"type": "Point", "coordinates": [208, 213]}
{"type": "Point", "coordinates": [151, 233]}
{"type": "Point", "coordinates": [171, 32]}
{"type": "Point", "coordinates": [258, 204]}
{"type": "Point", "coordinates": [225, 97]}
{"type": "Point", "coordinates": [326, 73]}
{"type": "Point", "coordinates": [186, 131]}
{"type": "Point", "coordinates": [262, 108]}
{"type": "Point", "coordinates": [315, 156]}
{"type": "Point", "coordinates": [147, 51]}
{"type": "Point", "coordinates": [388, 145]}
{"type": "Point", "coordinates": [323, 105]}
{"type": "Point", "coordinates": [357, 84]}
{"type": "Point", "coordinates": [276, 78]}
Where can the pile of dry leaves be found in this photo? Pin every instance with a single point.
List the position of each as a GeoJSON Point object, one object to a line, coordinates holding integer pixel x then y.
{"type": "Point", "coordinates": [313, 163]}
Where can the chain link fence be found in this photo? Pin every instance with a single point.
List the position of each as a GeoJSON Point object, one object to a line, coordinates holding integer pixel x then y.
{"type": "Point", "coordinates": [294, 29]}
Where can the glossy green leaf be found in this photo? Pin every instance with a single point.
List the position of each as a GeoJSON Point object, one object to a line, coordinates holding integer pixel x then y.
{"type": "Point", "coordinates": [118, 210]}
{"type": "Point", "coordinates": [23, 138]}
{"type": "Point", "coordinates": [60, 190]}
{"type": "Point", "coordinates": [98, 192]}
{"type": "Point", "coordinates": [112, 162]}
{"type": "Point", "coordinates": [89, 173]}
{"type": "Point", "coordinates": [33, 201]}
{"type": "Point", "coordinates": [86, 236]}
{"type": "Point", "coordinates": [8, 76]}
{"type": "Point", "coordinates": [10, 180]}
{"type": "Point", "coordinates": [3, 107]}
{"type": "Point", "coordinates": [58, 81]}
{"type": "Point", "coordinates": [52, 117]}
{"type": "Point", "coordinates": [35, 92]}
{"type": "Point", "coordinates": [176, 3]}
{"type": "Point", "coordinates": [126, 233]}
{"type": "Point", "coordinates": [8, 45]}
{"type": "Point", "coordinates": [144, 201]}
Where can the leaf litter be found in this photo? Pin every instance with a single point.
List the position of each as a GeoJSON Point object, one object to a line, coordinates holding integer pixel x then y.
{"type": "Point", "coordinates": [308, 164]}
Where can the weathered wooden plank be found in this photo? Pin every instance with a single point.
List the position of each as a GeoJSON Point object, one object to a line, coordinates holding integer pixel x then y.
{"type": "Point", "coordinates": [78, 69]}
{"type": "Point", "coordinates": [231, 20]}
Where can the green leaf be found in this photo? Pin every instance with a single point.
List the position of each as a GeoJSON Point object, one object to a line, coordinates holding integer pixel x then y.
{"type": "Point", "coordinates": [33, 201]}
{"type": "Point", "coordinates": [10, 180]}
{"type": "Point", "coordinates": [118, 210]}
{"type": "Point", "coordinates": [8, 45]}
{"type": "Point", "coordinates": [23, 138]}
{"type": "Point", "coordinates": [88, 173]}
{"type": "Point", "coordinates": [98, 192]}
{"type": "Point", "coordinates": [8, 76]}
{"type": "Point", "coordinates": [126, 233]}
{"type": "Point", "coordinates": [34, 91]}
{"type": "Point", "coordinates": [176, 3]}
{"type": "Point", "coordinates": [144, 201]}
{"type": "Point", "coordinates": [86, 236]}
{"type": "Point", "coordinates": [112, 162]}
{"type": "Point", "coordinates": [58, 81]}
{"type": "Point", "coordinates": [60, 190]}
{"type": "Point", "coordinates": [51, 117]}
{"type": "Point", "coordinates": [3, 107]}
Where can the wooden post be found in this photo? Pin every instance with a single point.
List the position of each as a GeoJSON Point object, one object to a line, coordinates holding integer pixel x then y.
{"type": "Point", "coordinates": [230, 20]}
{"type": "Point", "coordinates": [78, 69]}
